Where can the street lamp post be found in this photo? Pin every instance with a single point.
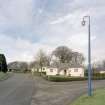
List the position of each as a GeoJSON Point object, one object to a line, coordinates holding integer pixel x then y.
{"type": "Point", "coordinates": [89, 55]}
{"type": "Point", "coordinates": [0, 66]}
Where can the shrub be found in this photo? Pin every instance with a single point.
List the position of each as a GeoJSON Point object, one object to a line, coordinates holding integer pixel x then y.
{"type": "Point", "coordinates": [65, 79]}
{"type": "Point", "coordinates": [44, 73]}
{"type": "Point", "coordinates": [3, 63]}
{"type": "Point", "coordinates": [98, 75]}
{"type": "Point", "coordinates": [98, 78]}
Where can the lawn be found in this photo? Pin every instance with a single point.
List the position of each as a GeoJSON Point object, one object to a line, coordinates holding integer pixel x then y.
{"type": "Point", "coordinates": [3, 76]}
{"type": "Point", "coordinates": [97, 99]}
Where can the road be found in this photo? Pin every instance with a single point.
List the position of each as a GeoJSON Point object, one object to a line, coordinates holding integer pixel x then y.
{"type": "Point", "coordinates": [22, 89]}
{"type": "Point", "coordinates": [17, 90]}
{"type": "Point", "coordinates": [51, 93]}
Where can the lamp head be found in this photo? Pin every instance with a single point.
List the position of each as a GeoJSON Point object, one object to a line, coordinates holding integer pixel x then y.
{"type": "Point", "coordinates": [83, 22]}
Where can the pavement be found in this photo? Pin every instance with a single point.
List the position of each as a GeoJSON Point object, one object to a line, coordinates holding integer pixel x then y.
{"type": "Point", "coordinates": [23, 89]}
{"type": "Point", "coordinates": [60, 93]}
{"type": "Point", "coordinates": [17, 90]}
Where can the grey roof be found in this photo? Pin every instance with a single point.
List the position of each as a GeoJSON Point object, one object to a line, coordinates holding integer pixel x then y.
{"type": "Point", "coordinates": [100, 69]}
{"type": "Point", "coordinates": [65, 66]}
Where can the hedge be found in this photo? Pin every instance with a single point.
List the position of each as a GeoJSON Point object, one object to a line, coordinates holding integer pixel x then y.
{"type": "Point", "coordinates": [67, 79]}
{"type": "Point", "coordinates": [96, 74]}
{"type": "Point", "coordinates": [98, 78]}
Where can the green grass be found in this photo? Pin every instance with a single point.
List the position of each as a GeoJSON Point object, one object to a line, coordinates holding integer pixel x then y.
{"type": "Point", "coordinates": [97, 99]}
{"type": "Point", "coordinates": [4, 76]}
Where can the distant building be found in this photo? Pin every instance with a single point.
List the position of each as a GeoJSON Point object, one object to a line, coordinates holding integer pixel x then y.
{"type": "Point", "coordinates": [65, 69]}
{"type": "Point", "coordinates": [100, 70]}
{"type": "Point", "coordinates": [17, 66]}
{"type": "Point", "coordinates": [38, 69]}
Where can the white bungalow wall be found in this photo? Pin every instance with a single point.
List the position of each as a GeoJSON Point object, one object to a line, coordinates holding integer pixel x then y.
{"type": "Point", "coordinates": [51, 71]}
{"type": "Point", "coordinates": [77, 73]}
{"type": "Point", "coordinates": [74, 72]}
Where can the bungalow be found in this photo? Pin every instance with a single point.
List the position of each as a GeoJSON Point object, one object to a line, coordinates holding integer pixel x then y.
{"type": "Point", "coordinates": [100, 70]}
{"type": "Point", "coordinates": [66, 70]}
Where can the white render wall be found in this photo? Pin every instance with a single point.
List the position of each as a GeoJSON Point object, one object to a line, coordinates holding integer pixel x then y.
{"type": "Point", "coordinates": [80, 72]}
{"type": "Point", "coordinates": [69, 72]}
{"type": "Point", "coordinates": [63, 73]}
{"type": "Point", "coordinates": [48, 71]}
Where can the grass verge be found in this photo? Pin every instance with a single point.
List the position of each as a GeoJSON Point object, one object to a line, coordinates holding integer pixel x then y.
{"type": "Point", "coordinates": [98, 98]}
{"type": "Point", "coordinates": [4, 76]}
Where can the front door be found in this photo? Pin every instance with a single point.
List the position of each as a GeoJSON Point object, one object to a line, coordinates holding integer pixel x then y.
{"type": "Point", "coordinates": [65, 72]}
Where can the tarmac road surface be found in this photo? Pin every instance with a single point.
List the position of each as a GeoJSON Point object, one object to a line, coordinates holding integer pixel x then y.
{"type": "Point", "coordinates": [60, 93]}
{"type": "Point", "coordinates": [17, 90]}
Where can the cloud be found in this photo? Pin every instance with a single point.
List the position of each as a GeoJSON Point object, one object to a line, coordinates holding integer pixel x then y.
{"type": "Point", "coordinates": [27, 25]}
{"type": "Point", "coordinates": [20, 49]}
{"type": "Point", "coordinates": [15, 17]}
{"type": "Point", "coordinates": [61, 19]}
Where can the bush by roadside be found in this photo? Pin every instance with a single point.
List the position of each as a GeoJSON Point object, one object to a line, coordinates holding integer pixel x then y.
{"type": "Point", "coordinates": [98, 78]}
{"type": "Point", "coordinates": [96, 74]}
{"type": "Point", "coordinates": [67, 79]}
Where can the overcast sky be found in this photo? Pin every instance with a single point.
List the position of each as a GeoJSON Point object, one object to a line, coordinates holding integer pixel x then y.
{"type": "Point", "coordinates": [29, 25]}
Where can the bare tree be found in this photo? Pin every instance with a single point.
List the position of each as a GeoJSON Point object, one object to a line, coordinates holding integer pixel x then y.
{"type": "Point", "coordinates": [77, 58]}
{"type": "Point", "coordinates": [21, 66]}
{"type": "Point", "coordinates": [34, 64]}
{"type": "Point", "coordinates": [42, 59]}
{"type": "Point", "coordinates": [66, 55]}
{"type": "Point", "coordinates": [24, 66]}
{"type": "Point", "coordinates": [63, 53]}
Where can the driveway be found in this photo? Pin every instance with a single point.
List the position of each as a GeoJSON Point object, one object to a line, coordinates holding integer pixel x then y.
{"type": "Point", "coordinates": [51, 93]}
{"type": "Point", "coordinates": [17, 90]}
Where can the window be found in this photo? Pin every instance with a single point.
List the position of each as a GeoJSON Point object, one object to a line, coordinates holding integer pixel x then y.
{"type": "Point", "coordinates": [51, 70]}
{"type": "Point", "coordinates": [75, 70]}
